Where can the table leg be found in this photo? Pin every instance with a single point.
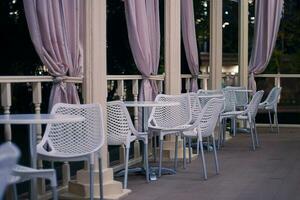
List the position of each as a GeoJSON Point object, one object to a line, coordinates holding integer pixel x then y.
{"type": "Point", "coordinates": [33, 157]}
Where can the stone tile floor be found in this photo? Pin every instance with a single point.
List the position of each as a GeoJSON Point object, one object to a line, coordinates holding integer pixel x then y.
{"type": "Point", "coordinates": [272, 172]}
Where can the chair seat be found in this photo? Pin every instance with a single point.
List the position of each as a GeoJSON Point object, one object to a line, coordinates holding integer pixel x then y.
{"type": "Point", "coordinates": [14, 179]}
{"type": "Point", "coordinates": [142, 135]}
{"type": "Point", "coordinates": [232, 113]}
{"type": "Point", "coordinates": [242, 117]}
{"type": "Point", "coordinates": [171, 129]}
{"type": "Point", "coordinates": [191, 133]}
{"type": "Point", "coordinates": [56, 155]}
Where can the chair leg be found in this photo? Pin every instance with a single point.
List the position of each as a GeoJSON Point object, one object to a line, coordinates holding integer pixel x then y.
{"type": "Point", "coordinates": [234, 127]}
{"type": "Point", "coordinates": [270, 120]}
{"type": "Point", "coordinates": [146, 161]}
{"type": "Point", "coordinates": [100, 179]}
{"type": "Point", "coordinates": [183, 149]}
{"type": "Point", "coordinates": [223, 132]}
{"type": "Point", "coordinates": [176, 153]}
{"type": "Point", "coordinates": [154, 148]}
{"type": "Point", "coordinates": [126, 168]}
{"type": "Point", "coordinates": [276, 119]}
{"type": "Point", "coordinates": [203, 160]}
{"type": "Point", "coordinates": [161, 144]}
{"type": "Point", "coordinates": [220, 133]}
{"type": "Point", "coordinates": [52, 164]}
{"type": "Point", "coordinates": [190, 150]}
{"type": "Point", "coordinates": [215, 156]}
{"type": "Point", "coordinates": [54, 193]}
{"type": "Point", "coordinates": [91, 181]}
{"type": "Point", "coordinates": [198, 141]}
{"type": "Point", "coordinates": [256, 136]}
{"type": "Point", "coordinates": [15, 191]}
{"type": "Point", "coordinates": [252, 135]}
{"type": "Point", "coordinates": [208, 143]}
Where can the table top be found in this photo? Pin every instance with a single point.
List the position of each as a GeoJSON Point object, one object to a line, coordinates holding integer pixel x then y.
{"type": "Point", "coordinates": [243, 90]}
{"type": "Point", "coordinates": [149, 104]}
{"type": "Point", "coordinates": [39, 119]}
{"type": "Point", "coordinates": [210, 95]}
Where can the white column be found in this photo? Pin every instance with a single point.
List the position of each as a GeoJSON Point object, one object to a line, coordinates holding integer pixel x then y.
{"type": "Point", "coordinates": [95, 84]}
{"type": "Point", "coordinates": [243, 43]}
{"type": "Point", "coordinates": [215, 54]}
{"type": "Point", "coordinates": [95, 91]}
{"type": "Point", "coordinates": [172, 47]}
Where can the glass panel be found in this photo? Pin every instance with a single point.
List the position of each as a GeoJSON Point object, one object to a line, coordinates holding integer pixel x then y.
{"type": "Point", "coordinates": [230, 42]}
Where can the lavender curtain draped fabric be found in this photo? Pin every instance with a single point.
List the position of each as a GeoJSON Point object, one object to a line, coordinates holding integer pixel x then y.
{"type": "Point", "coordinates": [189, 40]}
{"type": "Point", "coordinates": [56, 31]}
{"type": "Point", "coordinates": [142, 17]}
{"type": "Point", "coordinates": [267, 20]}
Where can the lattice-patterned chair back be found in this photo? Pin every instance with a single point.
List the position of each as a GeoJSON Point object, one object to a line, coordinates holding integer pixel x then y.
{"type": "Point", "coordinates": [241, 96]}
{"type": "Point", "coordinates": [9, 155]}
{"type": "Point", "coordinates": [253, 105]}
{"type": "Point", "coordinates": [77, 137]}
{"type": "Point", "coordinates": [273, 97]}
{"type": "Point", "coordinates": [195, 106]}
{"type": "Point", "coordinates": [205, 95]}
{"type": "Point", "coordinates": [230, 100]}
{"type": "Point", "coordinates": [210, 115]}
{"type": "Point", "coordinates": [119, 124]}
{"type": "Point", "coordinates": [171, 116]}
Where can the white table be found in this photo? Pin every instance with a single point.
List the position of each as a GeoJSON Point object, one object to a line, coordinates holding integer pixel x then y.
{"type": "Point", "coordinates": [32, 120]}
{"type": "Point", "coordinates": [149, 104]}
{"type": "Point", "coordinates": [240, 90]}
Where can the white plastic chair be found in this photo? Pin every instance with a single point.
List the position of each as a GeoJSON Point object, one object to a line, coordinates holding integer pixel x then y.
{"type": "Point", "coordinates": [168, 120]}
{"type": "Point", "coordinates": [22, 173]}
{"type": "Point", "coordinates": [78, 141]}
{"type": "Point", "coordinates": [229, 112]}
{"type": "Point", "coordinates": [250, 113]}
{"type": "Point", "coordinates": [270, 105]}
{"type": "Point", "coordinates": [120, 130]}
{"type": "Point", "coordinates": [9, 155]}
{"type": "Point", "coordinates": [205, 125]}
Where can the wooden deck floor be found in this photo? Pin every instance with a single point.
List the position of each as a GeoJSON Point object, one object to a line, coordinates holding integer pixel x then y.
{"type": "Point", "coordinates": [272, 172]}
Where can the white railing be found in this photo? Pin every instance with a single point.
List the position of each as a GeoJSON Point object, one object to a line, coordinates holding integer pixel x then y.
{"type": "Point", "coordinates": [35, 82]}
{"type": "Point", "coordinates": [123, 87]}
{"type": "Point", "coordinates": [203, 80]}
{"type": "Point", "coordinates": [277, 77]}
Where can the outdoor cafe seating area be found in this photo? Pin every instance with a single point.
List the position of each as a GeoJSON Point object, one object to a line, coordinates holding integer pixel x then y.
{"type": "Point", "coordinates": [75, 132]}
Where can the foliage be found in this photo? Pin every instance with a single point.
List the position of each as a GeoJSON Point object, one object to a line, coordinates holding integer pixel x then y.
{"type": "Point", "coordinates": [18, 56]}
{"type": "Point", "coordinates": [286, 55]}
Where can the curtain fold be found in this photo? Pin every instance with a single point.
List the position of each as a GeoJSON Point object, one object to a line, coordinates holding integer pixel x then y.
{"type": "Point", "coordinates": [56, 30]}
{"type": "Point", "coordinates": [190, 41]}
{"type": "Point", "coordinates": [142, 17]}
{"type": "Point", "coordinates": [267, 20]}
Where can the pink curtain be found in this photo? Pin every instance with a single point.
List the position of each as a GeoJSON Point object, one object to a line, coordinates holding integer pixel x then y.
{"type": "Point", "coordinates": [142, 17]}
{"type": "Point", "coordinates": [56, 31]}
{"type": "Point", "coordinates": [189, 40]}
{"type": "Point", "coordinates": [267, 20]}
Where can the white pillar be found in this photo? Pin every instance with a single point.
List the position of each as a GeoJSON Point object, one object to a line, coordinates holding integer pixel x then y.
{"type": "Point", "coordinates": [95, 84]}
{"type": "Point", "coordinates": [215, 54]}
{"type": "Point", "coordinates": [95, 91]}
{"type": "Point", "coordinates": [172, 47]}
{"type": "Point", "coordinates": [243, 43]}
